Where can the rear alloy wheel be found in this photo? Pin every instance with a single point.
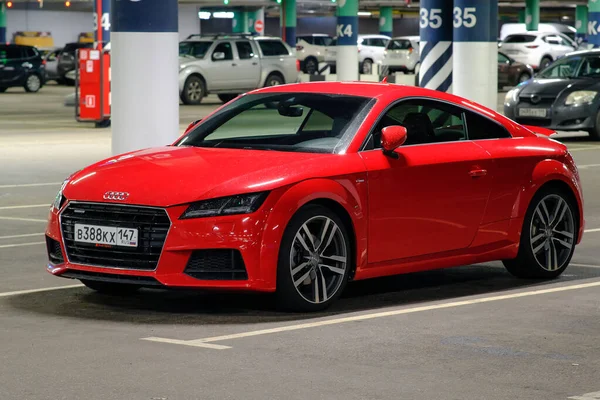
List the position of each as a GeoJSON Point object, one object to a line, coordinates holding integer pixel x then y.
{"type": "Point", "coordinates": [524, 77]}
{"type": "Point", "coordinates": [545, 62]}
{"type": "Point", "coordinates": [311, 66]}
{"type": "Point", "coordinates": [548, 237]}
{"type": "Point", "coordinates": [226, 98]}
{"type": "Point", "coordinates": [367, 66]}
{"type": "Point", "coordinates": [274, 80]}
{"type": "Point", "coordinates": [33, 83]}
{"type": "Point", "coordinates": [193, 91]}
{"type": "Point", "coordinates": [111, 288]}
{"type": "Point", "coordinates": [314, 260]}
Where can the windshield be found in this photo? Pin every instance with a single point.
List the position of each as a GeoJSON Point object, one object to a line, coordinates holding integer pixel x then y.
{"type": "Point", "coordinates": [399, 44]}
{"type": "Point", "coordinates": [194, 49]}
{"type": "Point", "coordinates": [305, 122]}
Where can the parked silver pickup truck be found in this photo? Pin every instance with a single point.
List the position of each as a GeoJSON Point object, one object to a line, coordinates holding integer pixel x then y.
{"type": "Point", "coordinates": [228, 65]}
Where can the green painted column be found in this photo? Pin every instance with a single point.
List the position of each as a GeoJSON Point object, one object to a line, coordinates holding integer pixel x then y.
{"type": "Point", "coordinates": [581, 20]}
{"type": "Point", "coordinates": [240, 21]}
{"type": "Point", "coordinates": [288, 22]}
{"type": "Point", "coordinates": [2, 23]}
{"type": "Point", "coordinates": [522, 16]}
{"type": "Point", "coordinates": [593, 25]}
{"type": "Point", "coordinates": [532, 14]}
{"type": "Point", "coordinates": [386, 21]}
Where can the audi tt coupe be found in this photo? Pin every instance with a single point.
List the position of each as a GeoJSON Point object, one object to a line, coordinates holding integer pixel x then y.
{"type": "Point", "coordinates": [298, 189]}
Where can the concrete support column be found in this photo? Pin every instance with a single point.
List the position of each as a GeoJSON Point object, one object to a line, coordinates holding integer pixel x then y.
{"type": "Point", "coordinates": [475, 33]}
{"type": "Point", "coordinates": [435, 29]}
{"type": "Point", "coordinates": [240, 22]}
{"type": "Point", "coordinates": [581, 20]}
{"type": "Point", "coordinates": [532, 14]}
{"type": "Point", "coordinates": [288, 22]}
{"type": "Point", "coordinates": [2, 23]}
{"type": "Point", "coordinates": [593, 26]}
{"type": "Point", "coordinates": [145, 101]}
{"type": "Point", "coordinates": [347, 41]}
{"type": "Point", "coordinates": [522, 16]}
{"type": "Point", "coordinates": [101, 22]}
{"type": "Point", "coordinates": [386, 21]}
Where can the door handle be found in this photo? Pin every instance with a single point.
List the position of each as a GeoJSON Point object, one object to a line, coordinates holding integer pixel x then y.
{"type": "Point", "coordinates": [254, 63]}
{"type": "Point", "coordinates": [476, 173]}
{"type": "Point", "coordinates": [233, 64]}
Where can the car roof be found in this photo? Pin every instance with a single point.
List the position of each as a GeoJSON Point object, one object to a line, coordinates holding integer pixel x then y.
{"type": "Point", "coordinates": [373, 36]}
{"type": "Point", "coordinates": [314, 35]}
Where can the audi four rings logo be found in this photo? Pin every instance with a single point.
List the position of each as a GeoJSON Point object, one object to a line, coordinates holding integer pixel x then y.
{"type": "Point", "coordinates": [120, 196]}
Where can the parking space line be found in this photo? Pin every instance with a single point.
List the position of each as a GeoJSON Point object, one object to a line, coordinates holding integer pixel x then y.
{"type": "Point", "coordinates": [24, 219]}
{"type": "Point", "coordinates": [18, 292]}
{"type": "Point", "coordinates": [591, 230]}
{"type": "Point", "coordinates": [572, 149]}
{"type": "Point", "coordinates": [6, 246]}
{"type": "Point", "coordinates": [363, 317]}
{"type": "Point", "coordinates": [25, 206]}
{"type": "Point", "coordinates": [21, 236]}
{"type": "Point", "coordinates": [584, 265]}
{"type": "Point", "coordinates": [586, 166]}
{"type": "Point", "coordinates": [30, 185]}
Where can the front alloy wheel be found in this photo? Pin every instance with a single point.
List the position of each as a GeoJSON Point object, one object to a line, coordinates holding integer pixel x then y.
{"type": "Point", "coordinates": [33, 83]}
{"type": "Point", "coordinates": [549, 237]}
{"type": "Point", "coordinates": [314, 260]}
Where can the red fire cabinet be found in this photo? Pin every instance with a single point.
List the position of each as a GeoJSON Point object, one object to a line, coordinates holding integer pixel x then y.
{"type": "Point", "coordinates": [92, 93]}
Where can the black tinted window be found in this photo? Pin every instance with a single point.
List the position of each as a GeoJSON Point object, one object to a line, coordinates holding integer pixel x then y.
{"type": "Point", "coordinates": [502, 59]}
{"type": "Point", "coordinates": [479, 127]}
{"type": "Point", "coordinates": [244, 50]}
{"type": "Point", "coordinates": [519, 39]}
{"type": "Point", "coordinates": [194, 49]}
{"type": "Point", "coordinates": [272, 48]}
{"type": "Point", "coordinates": [323, 41]}
{"type": "Point", "coordinates": [10, 53]}
{"type": "Point", "coordinates": [307, 39]}
{"type": "Point", "coordinates": [399, 44]}
{"type": "Point", "coordinates": [224, 48]}
{"type": "Point", "coordinates": [30, 52]}
{"type": "Point", "coordinates": [378, 42]}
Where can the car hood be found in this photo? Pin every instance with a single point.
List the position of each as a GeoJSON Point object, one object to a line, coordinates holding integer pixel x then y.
{"type": "Point", "coordinates": [554, 87]}
{"type": "Point", "coordinates": [175, 175]}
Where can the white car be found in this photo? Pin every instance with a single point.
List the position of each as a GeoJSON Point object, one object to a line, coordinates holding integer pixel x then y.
{"type": "Point", "coordinates": [311, 50]}
{"type": "Point", "coordinates": [402, 55]}
{"type": "Point", "coordinates": [370, 51]}
{"type": "Point", "coordinates": [538, 49]}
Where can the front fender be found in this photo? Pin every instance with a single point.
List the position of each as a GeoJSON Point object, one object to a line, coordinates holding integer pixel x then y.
{"type": "Point", "coordinates": [546, 171]}
{"type": "Point", "coordinates": [186, 72]}
{"type": "Point", "coordinates": [345, 192]}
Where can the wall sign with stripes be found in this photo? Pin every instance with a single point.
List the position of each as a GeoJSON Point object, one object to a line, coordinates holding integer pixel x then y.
{"type": "Point", "coordinates": [435, 29]}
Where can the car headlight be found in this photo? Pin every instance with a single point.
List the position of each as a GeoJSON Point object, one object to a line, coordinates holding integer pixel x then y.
{"type": "Point", "coordinates": [512, 95]}
{"type": "Point", "coordinates": [241, 204]}
{"type": "Point", "coordinates": [60, 199]}
{"type": "Point", "coordinates": [580, 97]}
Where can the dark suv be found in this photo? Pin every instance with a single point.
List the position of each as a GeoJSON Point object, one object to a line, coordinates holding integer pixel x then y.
{"type": "Point", "coordinates": [67, 59]}
{"type": "Point", "coordinates": [21, 66]}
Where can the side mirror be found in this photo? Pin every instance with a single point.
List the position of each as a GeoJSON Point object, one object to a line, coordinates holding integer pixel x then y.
{"type": "Point", "coordinates": [193, 124]}
{"type": "Point", "coordinates": [218, 56]}
{"type": "Point", "coordinates": [392, 137]}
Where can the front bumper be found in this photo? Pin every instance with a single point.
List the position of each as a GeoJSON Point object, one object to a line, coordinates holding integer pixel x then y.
{"type": "Point", "coordinates": [558, 116]}
{"type": "Point", "coordinates": [231, 247]}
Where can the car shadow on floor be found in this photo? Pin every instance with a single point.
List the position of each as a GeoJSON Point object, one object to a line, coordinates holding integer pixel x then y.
{"type": "Point", "coordinates": [194, 308]}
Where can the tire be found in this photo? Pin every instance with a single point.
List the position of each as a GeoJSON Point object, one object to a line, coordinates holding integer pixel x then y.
{"type": "Point", "coordinates": [226, 98]}
{"type": "Point", "coordinates": [194, 90]}
{"type": "Point", "coordinates": [311, 66]}
{"type": "Point", "coordinates": [33, 83]}
{"type": "Point", "coordinates": [545, 62]}
{"type": "Point", "coordinates": [366, 66]}
{"type": "Point", "coordinates": [110, 288]}
{"type": "Point", "coordinates": [298, 259]}
{"type": "Point", "coordinates": [545, 249]}
{"type": "Point", "coordinates": [274, 80]}
{"type": "Point", "coordinates": [525, 76]}
{"type": "Point", "coordinates": [595, 131]}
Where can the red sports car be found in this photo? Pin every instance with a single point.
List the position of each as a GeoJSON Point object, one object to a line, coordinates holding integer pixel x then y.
{"type": "Point", "coordinates": [298, 189]}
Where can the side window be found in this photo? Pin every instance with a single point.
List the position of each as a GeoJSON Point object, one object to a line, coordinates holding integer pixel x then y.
{"type": "Point", "coordinates": [426, 121]}
{"type": "Point", "coordinates": [31, 53]}
{"type": "Point", "coordinates": [244, 50]}
{"type": "Point", "coordinates": [480, 128]}
{"type": "Point", "coordinates": [13, 53]}
{"type": "Point", "coordinates": [222, 52]}
{"type": "Point", "coordinates": [366, 42]}
{"type": "Point", "coordinates": [502, 59]}
{"type": "Point", "coordinates": [272, 48]}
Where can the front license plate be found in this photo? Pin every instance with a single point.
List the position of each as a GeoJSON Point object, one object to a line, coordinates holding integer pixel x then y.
{"type": "Point", "coordinates": [107, 235]}
{"type": "Point", "coordinates": [533, 112]}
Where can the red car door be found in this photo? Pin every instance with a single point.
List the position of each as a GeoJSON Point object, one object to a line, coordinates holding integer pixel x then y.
{"type": "Point", "coordinates": [432, 198]}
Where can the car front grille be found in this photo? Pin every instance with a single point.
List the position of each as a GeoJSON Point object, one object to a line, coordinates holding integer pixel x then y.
{"type": "Point", "coordinates": [55, 254]}
{"type": "Point", "coordinates": [152, 224]}
{"type": "Point", "coordinates": [542, 102]}
{"type": "Point", "coordinates": [216, 264]}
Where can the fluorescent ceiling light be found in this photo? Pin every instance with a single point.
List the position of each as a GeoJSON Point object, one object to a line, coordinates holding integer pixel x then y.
{"type": "Point", "coordinates": [204, 14]}
{"type": "Point", "coordinates": [365, 13]}
{"type": "Point", "coordinates": [223, 14]}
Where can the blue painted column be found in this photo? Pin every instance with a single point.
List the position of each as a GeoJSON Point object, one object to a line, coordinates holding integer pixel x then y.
{"type": "Point", "coordinates": [347, 40]}
{"type": "Point", "coordinates": [102, 21]}
{"type": "Point", "coordinates": [145, 101]}
{"type": "Point", "coordinates": [435, 29]}
{"type": "Point", "coordinates": [2, 22]}
{"type": "Point", "coordinates": [593, 26]}
{"type": "Point", "coordinates": [475, 50]}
